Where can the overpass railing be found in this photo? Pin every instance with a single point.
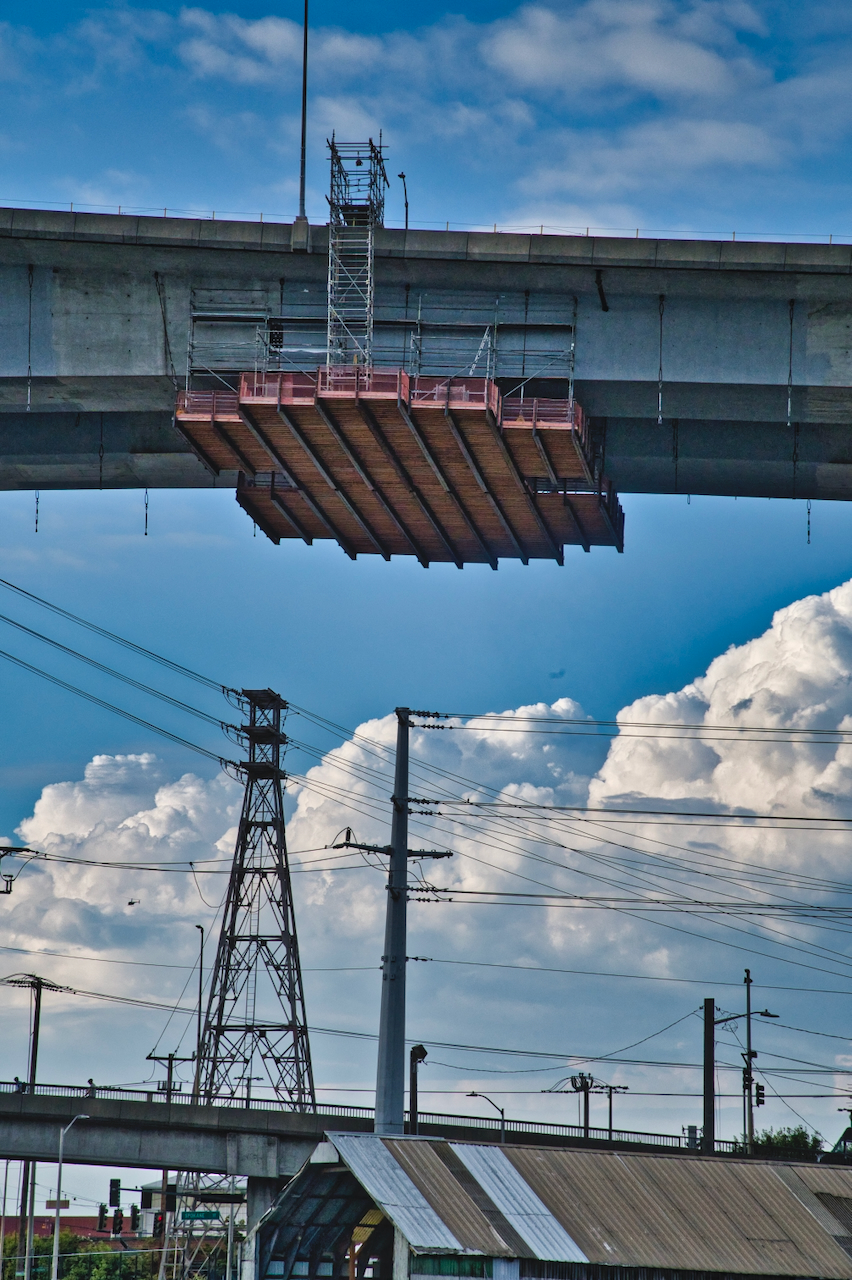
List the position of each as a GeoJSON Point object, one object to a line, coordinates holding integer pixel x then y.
{"type": "Point", "coordinates": [348, 1111]}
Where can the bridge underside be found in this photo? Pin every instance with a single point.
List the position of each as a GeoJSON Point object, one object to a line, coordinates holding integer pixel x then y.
{"type": "Point", "coordinates": [701, 368]}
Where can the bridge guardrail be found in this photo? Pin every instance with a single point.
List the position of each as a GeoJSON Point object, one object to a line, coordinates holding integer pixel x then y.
{"type": "Point", "coordinates": [340, 1111]}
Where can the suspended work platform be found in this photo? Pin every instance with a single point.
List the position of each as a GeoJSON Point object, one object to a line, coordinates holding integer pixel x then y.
{"type": "Point", "coordinates": [444, 469]}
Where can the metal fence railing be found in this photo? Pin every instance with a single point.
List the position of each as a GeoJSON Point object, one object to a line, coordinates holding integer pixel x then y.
{"type": "Point", "coordinates": [346, 1111]}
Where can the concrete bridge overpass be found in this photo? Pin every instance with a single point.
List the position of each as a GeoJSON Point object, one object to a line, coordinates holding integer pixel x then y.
{"type": "Point", "coordinates": [701, 367]}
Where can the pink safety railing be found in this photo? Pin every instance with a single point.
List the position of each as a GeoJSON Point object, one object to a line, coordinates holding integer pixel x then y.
{"type": "Point", "coordinates": [207, 404]}
{"type": "Point", "coordinates": [457, 393]}
{"type": "Point", "coordinates": [352, 380]}
{"type": "Point", "coordinates": [288, 387]}
{"type": "Point", "coordinates": [541, 412]}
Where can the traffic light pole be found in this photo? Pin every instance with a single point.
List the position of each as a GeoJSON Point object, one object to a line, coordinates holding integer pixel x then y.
{"type": "Point", "coordinates": [390, 1070]}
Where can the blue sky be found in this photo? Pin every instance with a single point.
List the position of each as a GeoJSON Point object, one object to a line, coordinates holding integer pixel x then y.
{"type": "Point", "coordinates": [719, 115]}
{"type": "Point", "coordinates": [708, 117]}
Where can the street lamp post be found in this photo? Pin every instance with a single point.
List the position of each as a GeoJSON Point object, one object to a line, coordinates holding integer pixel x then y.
{"type": "Point", "coordinates": [496, 1108]}
{"type": "Point", "coordinates": [405, 195]}
{"type": "Point", "coordinates": [62, 1132]}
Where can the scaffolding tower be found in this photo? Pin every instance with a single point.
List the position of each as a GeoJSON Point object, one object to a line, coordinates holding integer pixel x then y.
{"type": "Point", "coordinates": [357, 208]}
{"type": "Point", "coordinates": [255, 1016]}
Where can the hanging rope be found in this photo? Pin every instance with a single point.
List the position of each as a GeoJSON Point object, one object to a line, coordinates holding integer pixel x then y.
{"type": "Point", "coordinates": [30, 340]}
{"type": "Point", "coordinates": [146, 513]}
{"type": "Point", "coordinates": [37, 496]}
{"type": "Point", "coordinates": [660, 385]}
{"type": "Point", "coordinates": [809, 522]}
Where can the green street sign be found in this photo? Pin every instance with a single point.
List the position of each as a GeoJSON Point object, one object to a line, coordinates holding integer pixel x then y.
{"type": "Point", "coordinates": [199, 1215]}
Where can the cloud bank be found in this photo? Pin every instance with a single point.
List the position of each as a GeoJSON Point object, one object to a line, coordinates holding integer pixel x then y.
{"type": "Point", "coordinates": [468, 779]}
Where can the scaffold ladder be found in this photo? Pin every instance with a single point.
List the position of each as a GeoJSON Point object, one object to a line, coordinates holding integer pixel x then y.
{"type": "Point", "coordinates": [357, 207]}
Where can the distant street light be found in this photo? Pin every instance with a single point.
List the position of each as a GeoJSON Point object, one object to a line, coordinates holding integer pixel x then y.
{"type": "Point", "coordinates": [62, 1132]}
{"type": "Point", "coordinates": [496, 1108]}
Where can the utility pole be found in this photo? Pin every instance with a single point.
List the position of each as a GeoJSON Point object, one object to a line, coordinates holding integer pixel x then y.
{"type": "Point", "coordinates": [710, 1024]}
{"type": "Point", "coordinates": [748, 1076]}
{"type": "Point", "coordinates": [37, 986]}
{"type": "Point", "coordinates": [583, 1084]}
{"type": "Point", "coordinates": [708, 1138]}
{"type": "Point", "coordinates": [415, 1057]}
{"type": "Point", "coordinates": [390, 1071]}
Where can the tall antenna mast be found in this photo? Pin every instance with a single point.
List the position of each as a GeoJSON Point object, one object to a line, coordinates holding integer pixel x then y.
{"type": "Point", "coordinates": [356, 207]}
{"type": "Point", "coordinates": [255, 1025]}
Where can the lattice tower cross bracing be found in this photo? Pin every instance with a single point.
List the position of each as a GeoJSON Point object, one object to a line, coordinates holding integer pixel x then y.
{"type": "Point", "coordinates": [356, 209]}
{"type": "Point", "coordinates": [256, 1008]}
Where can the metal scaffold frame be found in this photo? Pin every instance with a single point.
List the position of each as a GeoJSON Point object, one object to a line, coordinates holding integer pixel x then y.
{"type": "Point", "coordinates": [356, 208]}
{"type": "Point", "coordinates": [256, 1006]}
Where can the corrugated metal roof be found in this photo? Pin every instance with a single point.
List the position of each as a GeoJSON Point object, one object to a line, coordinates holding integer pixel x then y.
{"type": "Point", "coordinates": [429, 1172]}
{"type": "Point", "coordinates": [519, 1204]}
{"type": "Point", "coordinates": [613, 1208]}
{"type": "Point", "coordinates": [387, 1182]}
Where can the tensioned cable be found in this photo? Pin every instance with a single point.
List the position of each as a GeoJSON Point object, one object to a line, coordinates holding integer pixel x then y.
{"type": "Point", "coordinates": [110, 635]}
{"type": "Point", "coordinates": [116, 675]}
{"type": "Point", "coordinates": [119, 711]}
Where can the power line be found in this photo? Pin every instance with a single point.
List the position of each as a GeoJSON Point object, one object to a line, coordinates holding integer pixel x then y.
{"type": "Point", "coordinates": [116, 639]}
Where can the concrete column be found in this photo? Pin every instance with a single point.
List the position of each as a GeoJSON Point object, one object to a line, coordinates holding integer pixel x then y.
{"type": "Point", "coordinates": [401, 1254]}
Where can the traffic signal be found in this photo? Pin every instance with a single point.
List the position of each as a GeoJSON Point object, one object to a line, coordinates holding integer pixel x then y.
{"type": "Point", "coordinates": [759, 1095]}
{"type": "Point", "coordinates": [135, 1216]}
{"type": "Point", "coordinates": [102, 1217]}
{"type": "Point", "coordinates": [171, 1197]}
{"type": "Point", "coordinates": [158, 1225]}
{"type": "Point", "coordinates": [117, 1222]}
{"type": "Point", "coordinates": [114, 1193]}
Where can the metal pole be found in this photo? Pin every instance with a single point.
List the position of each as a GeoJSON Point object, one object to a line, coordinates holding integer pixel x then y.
{"type": "Point", "coordinates": [3, 1219]}
{"type": "Point", "coordinates": [585, 1109]}
{"type": "Point", "coordinates": [708, 1140]}
{"type": "Point", "coordinates": [28, 1181]}
{"type": "Point", "coordinates": [405, 194]}
{"type": "Point", "coordinates": [609, 1091]}
{"type": "Point", "coordinates": [415, 1057]}
{"type": "Point", "coordinates": [304, 116]}
{"type": "Point", "coordinates": [747, 1074]}
{"type": "Point", "coordinates": [200, 995]}
{"type": "Point", "coordinates": [390, 1073]}
{"type": "Point", "coordinates": [28, 1259]}
{"type": "Point", "coordinates": [62, 1132]}
{"type": "Point", "coordinates": [229, 1265]}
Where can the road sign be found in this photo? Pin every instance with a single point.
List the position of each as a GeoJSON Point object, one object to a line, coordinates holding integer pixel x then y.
{"type": "Point", "coordinates": [199, 1215]}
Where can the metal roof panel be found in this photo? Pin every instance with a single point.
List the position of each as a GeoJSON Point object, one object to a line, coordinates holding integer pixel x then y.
{"type": "Point", "coordinates": [393, 1191]}
{"type": "Point", "coordinates": [518, 1203]}
{"type": "Point", "coordinates": [450, 1200]}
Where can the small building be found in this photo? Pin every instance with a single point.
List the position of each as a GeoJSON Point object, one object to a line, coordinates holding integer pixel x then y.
{"type": "Point", "coordinates": [367, 1207]}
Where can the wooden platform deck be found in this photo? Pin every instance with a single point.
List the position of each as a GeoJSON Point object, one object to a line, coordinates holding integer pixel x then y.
{"type": "Point", "coordinates": [385, 464]}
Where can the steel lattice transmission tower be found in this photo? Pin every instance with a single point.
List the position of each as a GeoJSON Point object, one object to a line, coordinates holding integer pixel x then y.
{"type": "Point", "coordinates": [255, 1023]}
{"type": "Point", "coordinates": [356, 208]}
